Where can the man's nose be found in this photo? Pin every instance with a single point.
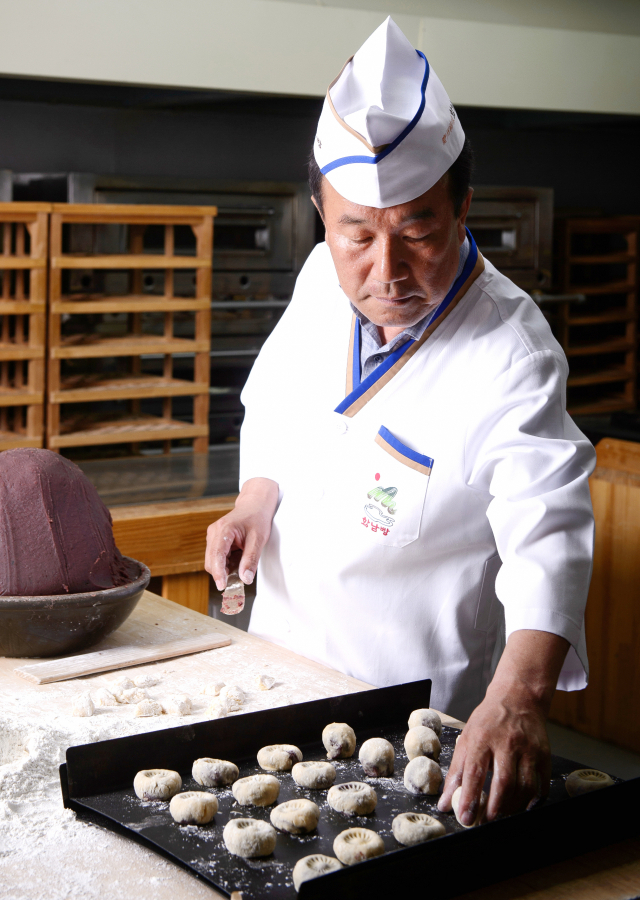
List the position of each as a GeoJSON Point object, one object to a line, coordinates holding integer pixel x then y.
{"type": "Point", "coordinates": [389, 265]}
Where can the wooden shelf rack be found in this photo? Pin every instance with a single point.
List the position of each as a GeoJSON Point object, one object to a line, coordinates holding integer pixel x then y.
{"type": "Point", "coordinates": [23, 296]}
{"type": "Point", "coordinates": [113, 241]}
{"type": "Point", "coordinates": [598, 257]}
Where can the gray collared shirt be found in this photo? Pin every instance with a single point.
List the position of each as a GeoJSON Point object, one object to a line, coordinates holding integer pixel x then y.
{"type": "Point", "coordinates": [372, 353]}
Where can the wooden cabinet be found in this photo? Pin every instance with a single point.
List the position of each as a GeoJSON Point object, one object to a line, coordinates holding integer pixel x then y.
{"type": "Point", "coordinates": [613, 609]}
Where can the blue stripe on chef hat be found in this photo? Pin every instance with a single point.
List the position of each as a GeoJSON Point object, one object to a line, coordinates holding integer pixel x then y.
{"type": "Point", "coordinates": [346, 160]}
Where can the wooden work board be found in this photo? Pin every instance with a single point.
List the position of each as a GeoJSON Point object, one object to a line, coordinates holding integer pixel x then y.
{"type": "Point", "coordinates": [612, 873]}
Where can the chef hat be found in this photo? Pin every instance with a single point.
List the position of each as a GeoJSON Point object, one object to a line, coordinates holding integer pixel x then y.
{"type": "Point", "coordinates": [388, 131]}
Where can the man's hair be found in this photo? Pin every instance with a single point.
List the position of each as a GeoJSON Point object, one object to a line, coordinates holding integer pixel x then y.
{"type": "Point", "coordinates": [460, 174]}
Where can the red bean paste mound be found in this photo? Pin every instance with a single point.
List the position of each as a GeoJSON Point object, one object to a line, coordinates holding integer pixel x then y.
{"type": "Point", "coordinates": [56, 534]}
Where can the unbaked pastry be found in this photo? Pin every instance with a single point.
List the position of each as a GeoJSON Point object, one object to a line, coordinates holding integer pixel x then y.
{"type": "Point", "coordinates": [377, 758]}
{"type": "Point", "coordinates": [83, 705]}
{"type": "Point", "coordinates": [279, 757]}
{"type": "Point", "coordinates": [157, 784]}
{"type": "Point", "coordinates": [256, 790]}
{"type": "Point", "coordinates": [422, 776]}
{"type": "Point", "coordinates": [178, 705]}
{"type": "Point", "coordinates": [218, 709]}
{"type": "Point", "coordinates": [249, 837]}
{"type": "Point", "coordinates": [414, 828]}
{"type": "Point", "coordinates": [295, 816]}
{"type": "Point", "coordinates": [146, 680]}
{"type": "Point", "coordinates": [214, 772]}
{"type": "Point", "coordinates": [213, 689]}
{"type": "Point", "coordinates": [353, 798]}
{"type": "Point", "coordinates": [339, 740]}
{"type": "Point", "coordinates": [103, 697]}
{"type": "Point", "coordinates": [315, 775]}
{"type": "Point", "coordinates": [355, 844]}
{"type": "Point", "coordinates": [133, 695]}
{"type": "Point", "coordinates": [422, 741]}
{"type": "Point", "coordinates": [583, 781]}
{"type": "Point", "coordinates": [455, 802]}
{"type": "Point", "coordinates": [148, 708]}
{"type": "Point", "coordinates": [265, 682]}
{"type": "Point", "coordinates": [234, 696]}
{"type": "Point", "coordinates": [193, 807]}
{"type": "Point", "coordinates": [312, 866]}
{"type": "Point", "coordinates": [427, 717]}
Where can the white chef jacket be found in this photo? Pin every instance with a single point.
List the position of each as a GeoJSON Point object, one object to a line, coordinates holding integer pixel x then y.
{"type": "Point", "coordinates": [427, 513]}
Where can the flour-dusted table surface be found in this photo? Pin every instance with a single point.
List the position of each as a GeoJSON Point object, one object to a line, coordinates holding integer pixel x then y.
{"type": "Point", "coordinates": [46, 853]}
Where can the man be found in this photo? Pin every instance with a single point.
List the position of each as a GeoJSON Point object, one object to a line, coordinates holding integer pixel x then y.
{"type": "Point", "coordinates": [382, 512]}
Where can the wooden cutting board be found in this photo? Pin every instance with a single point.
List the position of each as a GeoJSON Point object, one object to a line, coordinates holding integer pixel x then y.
{"type": "Point", "coordinates": [143, 638]}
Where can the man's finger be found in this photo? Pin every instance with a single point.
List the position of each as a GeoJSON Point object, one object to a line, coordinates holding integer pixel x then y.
{"type": "Point", "coordinates": [476, 767]}
{"type": "Point", "coordinates": [250, 557]}
{"type": "Point", "coordinates": [503, 785]}
{"type": "Point", "coordinates": [218, 554]}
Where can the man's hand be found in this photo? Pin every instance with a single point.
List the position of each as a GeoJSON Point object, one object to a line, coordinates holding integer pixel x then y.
{"type": "Point", "coordinates": [506, 733]}
{"type": "Point", "coordinates": [242, 532]}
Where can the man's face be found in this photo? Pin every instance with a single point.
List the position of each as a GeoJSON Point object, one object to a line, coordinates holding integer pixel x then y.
{"type": "Point", "coordinates": [395, 264]}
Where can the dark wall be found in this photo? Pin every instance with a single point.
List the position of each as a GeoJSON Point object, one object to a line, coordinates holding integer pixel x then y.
{"type": "Point", "coordinates": [589, 160]}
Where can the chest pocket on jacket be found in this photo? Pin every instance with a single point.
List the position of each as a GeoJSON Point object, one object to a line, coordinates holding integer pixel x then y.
{"type": "Point", "coordinates": [393, 481]}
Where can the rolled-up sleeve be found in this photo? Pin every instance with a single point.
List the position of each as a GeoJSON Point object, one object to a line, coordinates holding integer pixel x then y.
{"type": "Point", "coordinates": [527, 454]}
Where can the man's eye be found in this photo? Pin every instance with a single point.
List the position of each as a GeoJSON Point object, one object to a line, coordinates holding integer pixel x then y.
{"type": "Point", "coordinates": [417, 240]}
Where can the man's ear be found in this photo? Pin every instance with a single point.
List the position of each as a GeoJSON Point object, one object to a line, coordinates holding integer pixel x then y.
{"type": "Point", "coordinates": [315, 203]}
{"type": "Point", "coordinates": [464, 212]}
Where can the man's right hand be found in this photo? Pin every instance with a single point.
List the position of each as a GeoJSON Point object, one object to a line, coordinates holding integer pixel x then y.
{"type": "Point", "coordinates": [244, 531]}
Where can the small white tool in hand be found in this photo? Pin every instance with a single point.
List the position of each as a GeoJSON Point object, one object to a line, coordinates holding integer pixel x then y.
{"type": "Point", "coordinates": [233, 595]}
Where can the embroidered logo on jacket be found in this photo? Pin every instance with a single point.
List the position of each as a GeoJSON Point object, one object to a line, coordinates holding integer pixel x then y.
{"type": "Point", "coordinates": [377, 517]}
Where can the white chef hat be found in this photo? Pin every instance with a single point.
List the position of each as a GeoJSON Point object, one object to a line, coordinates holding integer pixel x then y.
{"type": "Point", "coordinates": [388, 131]}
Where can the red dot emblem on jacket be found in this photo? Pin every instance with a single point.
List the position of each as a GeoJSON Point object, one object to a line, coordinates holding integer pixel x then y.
{"type": "Point", "coordinates": [377, 476]}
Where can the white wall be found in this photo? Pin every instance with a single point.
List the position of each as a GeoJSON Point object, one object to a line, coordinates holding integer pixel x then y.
{"type": "Point", "coordinates": [298, 47]}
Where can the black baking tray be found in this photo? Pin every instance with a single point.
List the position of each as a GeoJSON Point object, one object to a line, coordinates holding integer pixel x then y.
{"type": "Point", "coordinates": [97, 784]}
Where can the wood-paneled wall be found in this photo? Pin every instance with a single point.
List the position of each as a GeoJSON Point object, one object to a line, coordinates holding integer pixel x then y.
{"type": "Point", "coordinates": [609, 708]}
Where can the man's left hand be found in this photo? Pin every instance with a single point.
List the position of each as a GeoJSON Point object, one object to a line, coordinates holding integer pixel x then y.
{"type": "Point", "coordinates": [506, 733]}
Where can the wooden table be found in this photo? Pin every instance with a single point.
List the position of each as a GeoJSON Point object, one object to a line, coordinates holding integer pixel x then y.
{"type": "Point", "coordinates": [120, 869]}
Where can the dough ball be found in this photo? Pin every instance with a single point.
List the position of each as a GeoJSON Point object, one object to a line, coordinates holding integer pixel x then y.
{"type": "Point", "coordinates": [103, 697]}
{"type": "Point", "coordinates": [213, 689]}
{"type": "Point", "coordinates": [178, 705]}
{"type": "Point", "coordinates": [148, 708]}
{"type": "Point", "coordinates": [83, 705]}
{"type": "Point", "coordinates": [234, 696]}
{"type": "Point", "coordinates": [279, 757]}
{"type": "Point", "coordinates": [317, 776]}
{"type": "Point", "coordinates": [133, 695]}
{"type": "Point", "coordinates": [214, 772]}
{"type": "Point", "coordinates": [312, 866]}
{"type": "Point", "coordinates": [265, 682]}
{"type": "Point", "coordinates": [427, 717]}
{"type": "Point", "coordinates": [355, 844]}
{"type": "Point", "coordinates": [193, 807]}
{"type": "Point", "coordinates": [377, 757]}
{"type": "Point", "coordinates": [249, 837]}
{"type": "Point", "coordinates": [353, 798]}
{"type": "Point", "coordinates": [256, 790]}
{"type": "Point", "coordinates": [422, 741]}
{"type": "Point", "coordinates": [295, 816]}
{"type": "Point", "coordinates": [146, 680]}
{"type": "Point", "coordinates": [339, 740]}
{"type": "Point", "coordinates": [414, 828]}
{"type": "Point", "coordinates": [455, 802]}
{"type": "Point", "coordinates": [218, 709]}
{"type": "Point", "coordinates": [422, 776]}
{"type": "Point", "coordinates": [583, 781]}
{"type": "Point", "coordinates": [123, 683]}
{"type": "Point", "coordinates": [157, 784]}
